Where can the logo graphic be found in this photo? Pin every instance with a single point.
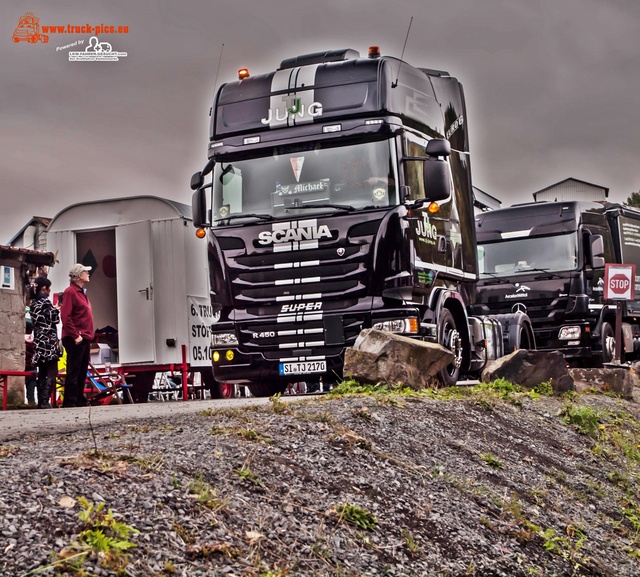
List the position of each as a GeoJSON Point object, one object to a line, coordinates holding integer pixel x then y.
{"type": "Point", "coordinates": [296, 165]}
{"type": "Point", "coordinates": [426, 231]}
{"type": "Point", "coordinates": [519, 308]}
{"type": "Point", "coordinates": [96, 51]}
{"type": "Point", "coordinates": [297, 108]}
{"type": "Point", "coordinates": [301, 234]}
{"type": "Point", "coordinates": [521, 291]}
{"type": "Point", "coordinates": [28, 30]}
{"type": "Point", "coordinates": [341, 252]}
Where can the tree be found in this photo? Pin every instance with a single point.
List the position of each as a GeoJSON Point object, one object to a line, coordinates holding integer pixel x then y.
{"type": "Point", "coordinates": [633, 200]}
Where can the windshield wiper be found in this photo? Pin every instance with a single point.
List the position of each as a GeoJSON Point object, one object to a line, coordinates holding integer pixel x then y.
{"type": "Point", "coordinates": [496, 277]}
{"type": "Point", "coordinates": [246, 215]}
{"type": "Point", "coordinates": [327, 205]}
{"type": "Point", "coordinates": [546, 272]}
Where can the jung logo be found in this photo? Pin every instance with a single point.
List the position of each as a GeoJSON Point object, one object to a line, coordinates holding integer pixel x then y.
{"type": "Point", "coordinates": [519, 308]}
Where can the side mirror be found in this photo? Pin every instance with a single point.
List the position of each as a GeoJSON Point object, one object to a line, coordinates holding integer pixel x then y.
{"type": "Point", "coordinates": [597, 250]}
{"type": "Point", "coordinates": [438, 147]}
{"type": "Point", "coordinates": [437, 177]}
{"type": "Point", "coordinates": [199, 208]}
{"type": "Point", "coordinates": [197, 180]}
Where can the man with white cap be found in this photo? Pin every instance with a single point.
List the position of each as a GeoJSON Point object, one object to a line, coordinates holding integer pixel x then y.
{"type": "Point", "coordinates": [77, 334]}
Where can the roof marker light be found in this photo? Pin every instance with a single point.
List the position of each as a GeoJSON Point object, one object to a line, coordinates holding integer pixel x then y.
{"type": "Point", "coordinates": [332, 128]}
{"type": "Point", "coordinates": [374, 51]}
{"type": "Point", "coordinates": [251, 140]}
{"type": "Point", "coordinates": [433, 207]}
{"type": "Point", "coordinates": [243, 73]}
{"type": "Point", "coordinates": [374, 121]}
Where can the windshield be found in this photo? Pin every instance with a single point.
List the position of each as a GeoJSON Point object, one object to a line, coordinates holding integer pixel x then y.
{"type": "Point", "coordinates": [531, 254]}
{"type": "Point", "coordinates": [289, 183]}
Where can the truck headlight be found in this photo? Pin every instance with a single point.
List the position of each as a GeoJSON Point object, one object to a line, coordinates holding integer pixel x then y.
{"type": "Point", "coordinates": [223, 339]}
{"type": "Point", "coordinates": [569, 333]}
{"type": "Point", "coordinates": [409, 325]}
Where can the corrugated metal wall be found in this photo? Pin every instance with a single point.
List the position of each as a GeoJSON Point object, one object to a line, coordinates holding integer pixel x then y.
{"type": "Point", "coordinates": [572, 190]}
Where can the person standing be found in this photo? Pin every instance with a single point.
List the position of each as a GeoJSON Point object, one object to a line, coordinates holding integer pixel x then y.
{"type": "Point", "coordinates": [45, 317]}
{"type": "Point", "coordinates": [77, 334]}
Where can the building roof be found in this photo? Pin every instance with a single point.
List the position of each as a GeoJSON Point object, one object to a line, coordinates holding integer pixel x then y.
{"type": "Point", "coordinates": [43, 220]}
{"type": "Point", "coordinates": [12, 253]}
{"type": "Point", "coordinates": [606, 190]}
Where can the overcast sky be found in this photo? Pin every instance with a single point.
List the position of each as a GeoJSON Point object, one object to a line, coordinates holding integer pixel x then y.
{"type": "Point", "coordinates": [552, 88]}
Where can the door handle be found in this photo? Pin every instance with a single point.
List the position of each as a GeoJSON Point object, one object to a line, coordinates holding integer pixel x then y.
{"type": "Point", "coordinates": [145, 291]}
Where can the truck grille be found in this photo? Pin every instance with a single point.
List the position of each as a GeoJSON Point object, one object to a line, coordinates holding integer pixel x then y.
{"type": "Point", "coordinates": [301, 299]}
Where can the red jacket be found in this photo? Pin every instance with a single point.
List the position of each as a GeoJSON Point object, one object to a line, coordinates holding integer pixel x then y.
{"type": "Point", "coordinates": [77, 317]}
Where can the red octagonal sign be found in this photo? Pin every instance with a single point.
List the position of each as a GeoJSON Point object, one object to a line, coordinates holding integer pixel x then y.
{"type": "Point", "coordinates": [619, 284]}
{"type": "Point", "coordinates": [619, 281]}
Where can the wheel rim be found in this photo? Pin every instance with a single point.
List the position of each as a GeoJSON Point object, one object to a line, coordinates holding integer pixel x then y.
{"type": "Point", "coordinates": [609, 346]}
{"type": "Point", "coordinates": [453, 342]}
{"type": "Point", "coordinates": [227, 390]}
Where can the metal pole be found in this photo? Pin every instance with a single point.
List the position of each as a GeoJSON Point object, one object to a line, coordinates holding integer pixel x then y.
{"type": "Point", "coordinates": [185, 385]}
{"type": "Point", "coordinates": [618, 353]}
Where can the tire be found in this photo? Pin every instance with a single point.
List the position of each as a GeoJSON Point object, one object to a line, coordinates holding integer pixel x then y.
{"type": "Point", "coordinates": [266, 389]}
{"type": "Point", "coordinates": [526, 340]}
{"type": "Point", "coordinates": [607, 346]}
{"type": "Point", "coordinates": [216, 389]}
{"type": "Point", "coordinates": [449, 337]}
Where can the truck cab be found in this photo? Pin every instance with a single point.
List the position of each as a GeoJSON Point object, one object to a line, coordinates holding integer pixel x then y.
{"type": "Point", "coordinates": [340, 198]}
{"type": "Point", "coordinates": [548, 260]}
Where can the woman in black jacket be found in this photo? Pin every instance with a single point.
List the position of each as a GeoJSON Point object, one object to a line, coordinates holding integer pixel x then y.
{"type": "Point", "coordinates": [45, 317]}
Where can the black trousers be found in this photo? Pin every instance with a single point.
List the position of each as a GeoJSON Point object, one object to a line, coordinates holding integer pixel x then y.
{"type": "Point", "coordinates": [77, 364]}
{"type": "Point", "coordinates": [47, 373]}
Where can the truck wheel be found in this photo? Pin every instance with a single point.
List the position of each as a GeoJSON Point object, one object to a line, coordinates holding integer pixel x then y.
{"type": "Point", "coordinates": [449, 337]}
{"type": "Point", "coordinates": [266, 389]}
{"type": "Point", "coordinates": [608, 341]}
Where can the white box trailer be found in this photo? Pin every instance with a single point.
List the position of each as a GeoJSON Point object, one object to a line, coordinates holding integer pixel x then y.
{"type": "Point", "coordinates": [149, 287]}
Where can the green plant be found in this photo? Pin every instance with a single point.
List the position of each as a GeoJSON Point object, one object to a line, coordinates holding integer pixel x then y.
{"type": "Point", "coordinates": [584, 419]}
{"type": "Point", "coordinates": [492, 461]}
{"type": "Point", "coordinates": [278, 406]}
{"type": "Point", "coordinates": [545, 388]}
{"type": "Point", "coordinates": [206, 494]}
{"type": "Point", "coordinates": [245, 473]}
{"type": "Point", "coordinates": [356, 516]}
{"type": "Point", "coordinates": [104, 540]}
{"type": "Point", "coordinates": [252, 435]}
{"type": "Point", "coordinates": [410, 542]}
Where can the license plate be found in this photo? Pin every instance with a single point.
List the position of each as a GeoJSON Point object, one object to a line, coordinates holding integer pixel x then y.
{"type": "Point", "coordinates": [303, 367]}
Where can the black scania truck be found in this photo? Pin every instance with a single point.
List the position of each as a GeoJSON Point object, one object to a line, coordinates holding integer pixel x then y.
{"type": "Point", "coordinates": [340, 199]}
{"type": "Point", "coordinates": [548, 260]}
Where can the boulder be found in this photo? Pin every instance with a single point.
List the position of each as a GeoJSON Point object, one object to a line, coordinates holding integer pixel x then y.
{"type": "Point", "coordinates": [529, 368]}
{"type": "Point", "coordinates": [619, 380]}
{"type": "Point", "coordinates": [382, 357]}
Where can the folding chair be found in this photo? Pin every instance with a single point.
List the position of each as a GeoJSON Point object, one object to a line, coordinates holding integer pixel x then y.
{"type": "Point", "coordinates": [101, 388]}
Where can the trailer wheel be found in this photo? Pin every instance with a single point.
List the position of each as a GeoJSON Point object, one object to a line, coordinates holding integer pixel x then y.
{"type": "Point", "coordinates": [266, 389]}
{"type": "Point", "coordinates": [449, 337]}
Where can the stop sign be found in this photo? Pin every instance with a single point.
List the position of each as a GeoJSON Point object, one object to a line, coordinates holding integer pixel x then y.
{"type": "Point", "coordinates": [619, 284]}
{"type": "Point", "coordinates": [619, 281]}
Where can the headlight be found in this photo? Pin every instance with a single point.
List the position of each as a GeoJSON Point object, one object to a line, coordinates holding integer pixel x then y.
{"type": "Point", "coordinates": [409, 325]}
{"type": "Point", "coordinates": [223, 339]}
{"type": "Point", "coordinates": [569, 333]}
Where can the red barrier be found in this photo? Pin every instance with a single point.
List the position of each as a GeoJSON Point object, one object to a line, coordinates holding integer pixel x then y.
{"type": "Point", "coordinates": [4, 381]}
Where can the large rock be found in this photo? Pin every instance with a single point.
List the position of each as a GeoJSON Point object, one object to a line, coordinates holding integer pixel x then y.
{"type": "Point", "coordinates": [382, 357]}
{"type": "Point", "coordinates": [529, 368]}
{"type": "Point", "coordinates": [618, 380]}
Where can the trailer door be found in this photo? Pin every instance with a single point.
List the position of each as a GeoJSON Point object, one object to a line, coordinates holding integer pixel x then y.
{"type": "Point", "coordinates": [136, 330]}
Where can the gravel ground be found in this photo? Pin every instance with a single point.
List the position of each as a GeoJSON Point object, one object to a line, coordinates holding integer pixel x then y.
{"type": "Point", "coordinates": [348, 486]}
